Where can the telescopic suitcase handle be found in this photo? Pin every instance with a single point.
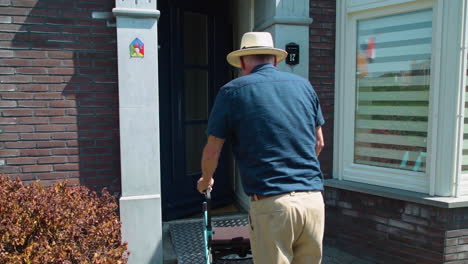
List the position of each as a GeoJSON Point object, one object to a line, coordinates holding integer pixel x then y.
{"type": "Point", "coordinates": [207, 230]}
{"type": "Point", "coordinates": [207, 206]}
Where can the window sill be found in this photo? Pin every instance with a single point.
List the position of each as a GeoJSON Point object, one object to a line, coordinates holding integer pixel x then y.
{"type": "Point", "coordinates": [420, 198]}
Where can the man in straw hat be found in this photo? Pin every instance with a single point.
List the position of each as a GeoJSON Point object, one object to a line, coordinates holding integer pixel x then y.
{"type": "Point", "coordinates": [273, 120]}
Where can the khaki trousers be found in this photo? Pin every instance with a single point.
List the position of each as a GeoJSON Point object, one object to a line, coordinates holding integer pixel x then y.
{"type": "Point", "coordinates": [287, 228]}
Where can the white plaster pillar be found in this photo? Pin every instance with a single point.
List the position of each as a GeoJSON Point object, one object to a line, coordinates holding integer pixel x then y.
{"type": "Point", "coordinates": [288, 21]}
{"type": "Point", "coordinates": [140, 204]}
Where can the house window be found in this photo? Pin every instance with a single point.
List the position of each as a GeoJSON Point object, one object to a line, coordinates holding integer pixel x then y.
{"type": "Point", "coordinates": [393, 66]}
{"type": "Point", "coordinates": [400, 99]}
{"type": "Point", "coordinates": [384, 122]}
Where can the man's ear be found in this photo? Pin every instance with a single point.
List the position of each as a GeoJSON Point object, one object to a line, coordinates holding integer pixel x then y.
{"type": "Point", "coordinates": [276, 61]}
{"type": "Point", "coordinates": [242, 63]}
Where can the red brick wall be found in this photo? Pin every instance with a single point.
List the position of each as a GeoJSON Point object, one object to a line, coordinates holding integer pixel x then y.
{"type": "Point", "coordinates": [386, 230]}
{"type": "Point", "coordinates": [58, 90]}
{"type": "Point", "coordinates": [322, 70]}
{"type": "Point", "coordinates": [456, 246]}
{"type": "Point", "coordinates": [389, 231]}
{"type": "Point", "coordinates": [456, 237]}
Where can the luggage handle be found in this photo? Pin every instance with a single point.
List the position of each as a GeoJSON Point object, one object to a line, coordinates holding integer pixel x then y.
{"type": "Point", "coordinates": [207, 207]}
{"type": "Point", "coordinates": [207, 230]}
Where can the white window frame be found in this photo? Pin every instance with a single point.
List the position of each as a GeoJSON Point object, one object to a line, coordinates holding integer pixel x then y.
{"type": "Point", "coordinates": [461, 187]}
{"type": "Point", "coordinates": [440, 177]}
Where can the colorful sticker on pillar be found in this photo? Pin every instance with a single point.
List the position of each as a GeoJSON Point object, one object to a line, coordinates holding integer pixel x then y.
{"type": "Point", "coordinates": [137, 48]}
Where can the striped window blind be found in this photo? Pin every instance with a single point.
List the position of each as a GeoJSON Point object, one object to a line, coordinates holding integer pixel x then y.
{"type": "Point", "coordinates": [392, 90]}
{"type": "Point", "coordinates": [464, 167]}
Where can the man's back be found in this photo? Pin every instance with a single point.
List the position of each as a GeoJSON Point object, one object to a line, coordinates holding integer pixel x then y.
{"type": "Point", "coordinates": [274, 121]}
{"type": "Point", "coordinates": [272, 117]}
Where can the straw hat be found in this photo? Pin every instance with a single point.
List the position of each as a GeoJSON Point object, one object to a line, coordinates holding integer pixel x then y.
{"type": "Point", "coordinates": [253, 43]}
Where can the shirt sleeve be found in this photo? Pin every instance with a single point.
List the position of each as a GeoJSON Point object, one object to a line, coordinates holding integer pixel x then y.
{"type": "Point", "coordinates": [319, 120]}
{"type": "Point", "coordinates": [218, 123]}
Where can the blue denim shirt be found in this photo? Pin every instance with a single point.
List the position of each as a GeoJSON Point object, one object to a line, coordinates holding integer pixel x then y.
{"type": "Point", "coordinates": [270, 118]}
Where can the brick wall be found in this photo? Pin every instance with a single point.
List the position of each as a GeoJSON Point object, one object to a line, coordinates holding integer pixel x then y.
{"type": "Point", "coordinates": [387, 230]}
{"type": "Point", "coordinates": [456, 238]}
{"type": "Point", "coordinates": [456, 246]}
{"type": "Point", "coordinates": [392, 231]}
{"type": "Point", "coordinates": [322, 70]}
{"type": "Point", "coordinates": [58, 90]}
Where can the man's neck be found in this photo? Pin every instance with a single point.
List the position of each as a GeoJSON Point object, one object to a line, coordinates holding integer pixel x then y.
{"type": "Point", "coordinates": [249, 68]}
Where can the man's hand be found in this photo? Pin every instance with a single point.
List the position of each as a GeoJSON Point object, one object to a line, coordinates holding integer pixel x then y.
{"type": "Point", "coordinates": [205, 183]}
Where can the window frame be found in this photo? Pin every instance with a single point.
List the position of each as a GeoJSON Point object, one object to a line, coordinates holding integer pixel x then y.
{"type": "Point", "coordinates": [462, 182]}
{"type": "Point", "coordinates": [440, 177]}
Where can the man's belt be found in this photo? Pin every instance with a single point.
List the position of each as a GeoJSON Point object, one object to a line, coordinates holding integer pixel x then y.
{"type": "Point", "coordinates": [257, 197]}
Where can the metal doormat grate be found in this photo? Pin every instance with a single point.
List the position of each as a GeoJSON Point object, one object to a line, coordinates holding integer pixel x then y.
{"type": "Point", "coordinates": [187, 238]}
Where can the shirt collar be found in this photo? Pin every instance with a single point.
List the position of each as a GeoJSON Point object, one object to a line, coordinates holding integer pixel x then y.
{"type": "Point", "coordinates": [261, 67]}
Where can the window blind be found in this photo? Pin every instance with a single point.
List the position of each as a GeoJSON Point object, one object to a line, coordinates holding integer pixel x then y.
{"type": "Point", "coordinates": [464, 167]}
{"type": "Point", "coordinates": [392, 91]}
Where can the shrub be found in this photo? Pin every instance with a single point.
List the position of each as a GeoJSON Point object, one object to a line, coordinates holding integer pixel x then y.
{"type": "Point", "coordinates": [58, 224]}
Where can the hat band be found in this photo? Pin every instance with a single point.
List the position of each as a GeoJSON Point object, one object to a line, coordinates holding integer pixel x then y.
{"type": "Point", "coordinates": [254, 47]}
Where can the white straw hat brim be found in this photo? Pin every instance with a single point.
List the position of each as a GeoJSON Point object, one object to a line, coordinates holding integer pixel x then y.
{"type": "Point", "coordinates": [233, 58]}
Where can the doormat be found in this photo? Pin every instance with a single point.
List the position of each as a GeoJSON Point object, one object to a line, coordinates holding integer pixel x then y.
{"type": "Point", "coordinates": [187, 239]}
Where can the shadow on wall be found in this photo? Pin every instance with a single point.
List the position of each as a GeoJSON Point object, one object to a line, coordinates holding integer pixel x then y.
{"type": "Point", "coordinates": [65, 78]}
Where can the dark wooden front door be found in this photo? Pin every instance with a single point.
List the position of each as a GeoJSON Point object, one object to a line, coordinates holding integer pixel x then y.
{"type": "Point", "coordinates": [193, 43]}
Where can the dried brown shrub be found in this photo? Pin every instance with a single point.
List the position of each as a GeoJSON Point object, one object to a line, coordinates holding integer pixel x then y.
{"type": "Point", "coordinates": [59, 224]}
